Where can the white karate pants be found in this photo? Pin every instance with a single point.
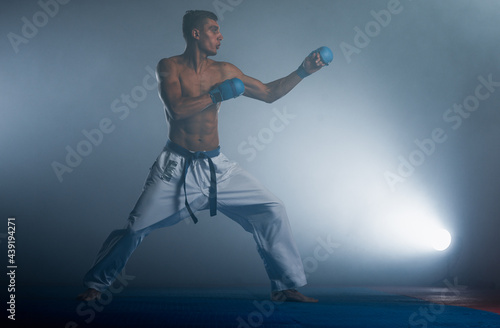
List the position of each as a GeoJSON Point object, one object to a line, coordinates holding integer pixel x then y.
{"type": "Point", "coordinates": [239, 196]}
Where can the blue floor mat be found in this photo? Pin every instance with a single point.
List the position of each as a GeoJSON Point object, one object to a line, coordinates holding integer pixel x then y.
{"type": "Point", "coordinates": [238, 307]}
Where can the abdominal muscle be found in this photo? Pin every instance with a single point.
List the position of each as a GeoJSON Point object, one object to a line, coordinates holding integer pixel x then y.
{"type": "Point", "coordinates": [198, 132]}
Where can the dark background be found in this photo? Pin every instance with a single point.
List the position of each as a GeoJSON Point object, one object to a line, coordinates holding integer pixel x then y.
{"type": "Point", "coordinates": [349, 125]}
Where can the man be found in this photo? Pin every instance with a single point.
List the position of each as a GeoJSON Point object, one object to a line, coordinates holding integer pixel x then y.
{"type": "Point", "coordinates": [191, 174]}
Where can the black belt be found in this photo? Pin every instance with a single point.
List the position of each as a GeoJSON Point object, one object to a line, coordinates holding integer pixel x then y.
{"type": "Point", "coordinates": [190, 157]}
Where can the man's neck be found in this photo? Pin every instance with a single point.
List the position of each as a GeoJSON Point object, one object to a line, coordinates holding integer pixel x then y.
{"type": "Point", "coordinates": [195, 58]}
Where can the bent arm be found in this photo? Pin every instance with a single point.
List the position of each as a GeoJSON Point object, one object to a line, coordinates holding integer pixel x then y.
{"type": "Point", "coordinates": [179, 107]}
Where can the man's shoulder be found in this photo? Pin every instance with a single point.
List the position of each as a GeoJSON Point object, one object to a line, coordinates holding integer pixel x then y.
{"type": "Point", "coordinates": [170, 61]}
{"type": "Point", "coordinates": [221, 63]}
{"type": "Point", "coordinates": [225, 66]}
{"type": "Point", "coordinates": [170, 67]}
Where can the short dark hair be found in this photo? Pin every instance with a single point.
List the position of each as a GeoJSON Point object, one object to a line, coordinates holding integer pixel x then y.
{"type": "Point", "coordinates": [195, 19]}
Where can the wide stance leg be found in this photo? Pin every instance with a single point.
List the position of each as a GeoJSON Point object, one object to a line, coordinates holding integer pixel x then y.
{"type": "Point", "coordinates": [112, 258]}
{"type": "Point", "coordinates": [158, 206]}
{"type": "Point", "coordinates": [246, 201]}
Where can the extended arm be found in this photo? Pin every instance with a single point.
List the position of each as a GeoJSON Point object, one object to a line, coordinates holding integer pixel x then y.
{"type": "Point", "coordinates": [178, 106]}
{"type": "Point", "coordinates": [274, 90]}
{"type": "Point", "coordinates": [271, 91]}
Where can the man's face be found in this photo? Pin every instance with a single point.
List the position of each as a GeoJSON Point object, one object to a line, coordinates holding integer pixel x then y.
{"type": "Point", "coordinates": [210, 37]}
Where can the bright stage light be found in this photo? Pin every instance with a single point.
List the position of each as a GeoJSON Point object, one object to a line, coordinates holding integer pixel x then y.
{"type": "Point", "coordinates": [411, 226]}
{"type": "Point", "coordinates": [441, 239]}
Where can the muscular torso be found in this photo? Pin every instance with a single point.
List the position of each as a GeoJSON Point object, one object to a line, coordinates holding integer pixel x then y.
{"type": "Point", "coordinates": [200, 131]}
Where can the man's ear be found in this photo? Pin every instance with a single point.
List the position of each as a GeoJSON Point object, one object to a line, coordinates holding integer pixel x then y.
{"type": "Point", "coordinates": [195, 33]}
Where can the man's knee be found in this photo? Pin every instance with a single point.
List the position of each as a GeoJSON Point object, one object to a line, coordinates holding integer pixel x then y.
{"type": "Point", "coordinates": [277, 210]}
{"type": "Point", "coordinates": [133, 228]}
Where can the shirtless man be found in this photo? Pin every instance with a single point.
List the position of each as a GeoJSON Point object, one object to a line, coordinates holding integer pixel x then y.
{"type": "Point", "coordinates": [191, 174]}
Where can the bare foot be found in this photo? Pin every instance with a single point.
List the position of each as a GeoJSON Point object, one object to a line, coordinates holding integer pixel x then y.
{"type": "Point", "coordinates": [89, 295]}
{"type": "Point", "coordinates": [291, 295]}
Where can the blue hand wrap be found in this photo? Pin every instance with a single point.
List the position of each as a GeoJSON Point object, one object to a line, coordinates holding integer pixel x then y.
{"type": "Point", "coordinates": [302, 72]}
{"type": "Point", "coordinates": [226, 90]}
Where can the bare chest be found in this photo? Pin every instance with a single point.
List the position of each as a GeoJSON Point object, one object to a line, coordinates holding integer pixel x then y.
{"type": "Point", "coordinates": [194, 85]}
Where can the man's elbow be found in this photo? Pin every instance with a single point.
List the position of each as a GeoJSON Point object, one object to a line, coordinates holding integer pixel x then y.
{"type": "Point", "coordinates": [270, 99]}
{"type": "Point", "coordinates": [265, 94]}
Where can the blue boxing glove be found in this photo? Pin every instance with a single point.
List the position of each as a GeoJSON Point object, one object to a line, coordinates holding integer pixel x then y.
{"type": "Point", "coordinates": [226, 90]}
{"type": "Point", "coordinates": [326, 56]}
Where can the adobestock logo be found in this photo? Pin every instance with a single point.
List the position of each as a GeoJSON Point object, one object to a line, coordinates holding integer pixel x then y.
{"type": "Point", "coordinates": [30, 28]}
{"type": "Point", "coordinates": [455, 115]}
{"type": "Point", "coordinates": [429, 314]}
{"type": "Point", "coordinates": [93, 138]}
{"type": "Point", "coordinates": [87, 310]}
{"type": "Point", "coordinates": [220, 7]}
{"type": "Point", "coordinates": [264, 309]}
{"type": "Point", "coordinates": [265, 136]}
{"type": "Point", "coordinates": [372, 29]}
